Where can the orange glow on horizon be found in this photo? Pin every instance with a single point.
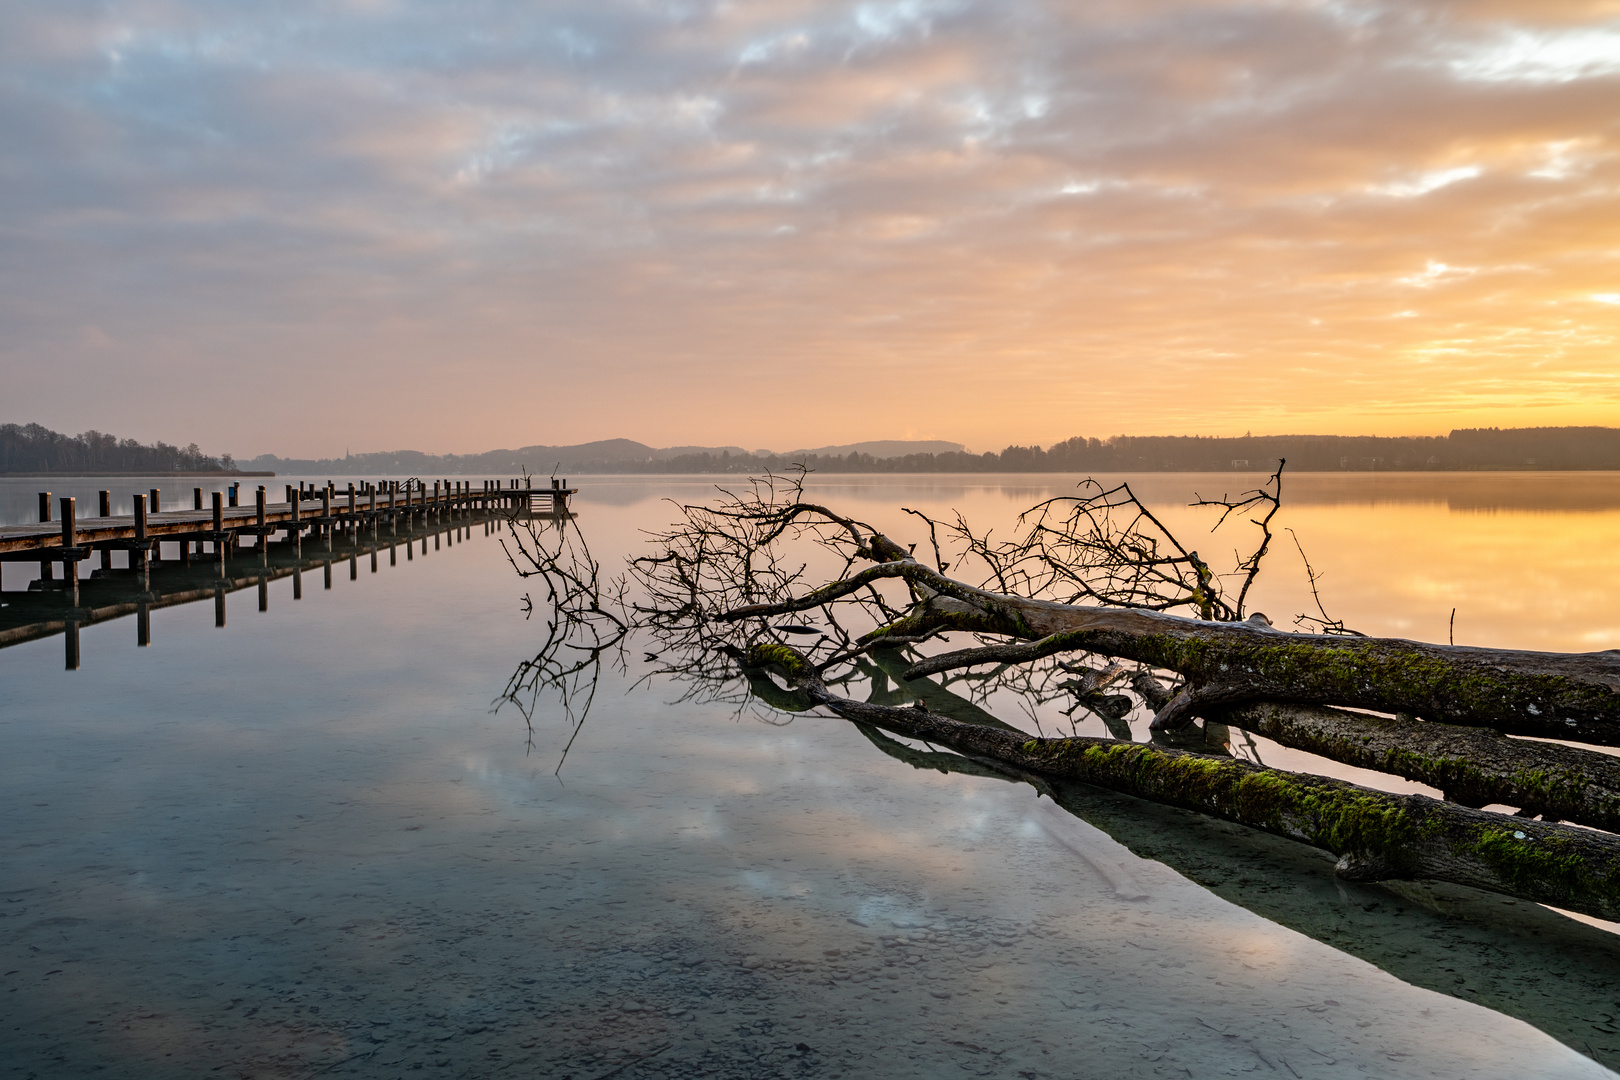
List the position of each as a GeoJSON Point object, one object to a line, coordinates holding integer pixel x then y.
{"type": "Point", "coordinates": [778, 225]}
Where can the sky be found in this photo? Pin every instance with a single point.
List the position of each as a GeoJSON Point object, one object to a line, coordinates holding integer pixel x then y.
{"type": "Point", "coordinates": [304, 228]}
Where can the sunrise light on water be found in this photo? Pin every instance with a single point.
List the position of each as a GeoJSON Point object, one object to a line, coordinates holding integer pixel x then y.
{"type": "Point", "coordinates": [874, 540]}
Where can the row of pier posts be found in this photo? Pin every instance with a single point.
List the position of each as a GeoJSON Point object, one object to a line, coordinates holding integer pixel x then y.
{"type": "Point", "coordinates": [145, 603]}
{"type": "Point", "coordinates": [453, 498]}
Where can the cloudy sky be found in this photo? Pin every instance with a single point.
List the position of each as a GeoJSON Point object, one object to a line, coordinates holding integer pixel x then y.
{"type": "Point", "coordinates": [299, 227]}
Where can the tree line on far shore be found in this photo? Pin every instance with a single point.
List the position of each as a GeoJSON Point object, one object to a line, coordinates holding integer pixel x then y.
{"type": "Point", "coordinates": [1473, 448]}
{"type": "Point", "coordinates": [1476, 448]}
{"type": "Point", "coordinates": [35, 448]}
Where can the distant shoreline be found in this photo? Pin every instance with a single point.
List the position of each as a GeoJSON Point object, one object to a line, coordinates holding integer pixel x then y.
{"type": "Point", "coordinates": [833, 470]}
{"type": "Point", "coordinates": [139, 472]}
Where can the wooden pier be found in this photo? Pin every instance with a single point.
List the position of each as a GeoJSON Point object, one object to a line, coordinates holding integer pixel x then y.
{"type": "Point", "coordinates": [146, 586]}
{"type": "Point", "coordinates": [218, 530]}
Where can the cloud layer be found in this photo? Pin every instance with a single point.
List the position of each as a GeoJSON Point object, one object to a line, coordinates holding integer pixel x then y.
{"type": "Point", "coordinates": [299, 226]}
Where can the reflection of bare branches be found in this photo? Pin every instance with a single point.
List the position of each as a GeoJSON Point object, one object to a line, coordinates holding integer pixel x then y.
{"type": "Point", "coordinates": [739, 573]}
{"type": "Point", "coordinates": [584, 624]}
{"type": "Point", "coordinates": [933, 760]}
{"type": "Point", "coordinates": [1079, 600]}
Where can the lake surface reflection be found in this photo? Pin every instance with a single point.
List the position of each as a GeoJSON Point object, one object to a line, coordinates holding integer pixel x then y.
{"type": "Point", "coordinates": [304, 843]}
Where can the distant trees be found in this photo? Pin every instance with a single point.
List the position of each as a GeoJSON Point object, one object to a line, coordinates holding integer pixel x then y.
{"type": "Point", "coordinates": [35, 448]}
{"type": "Point", "coordinates": [1473, 448]}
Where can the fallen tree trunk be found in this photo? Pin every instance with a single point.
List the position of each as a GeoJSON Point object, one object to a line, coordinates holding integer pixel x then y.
{"type": "Point", "coordinates": [1573, 696]}
{"type": "Point", "coordinates": [700, 599]}
{"type": "Point", "coordinates": [1473, 766]}
{"type": "Point", "coordinates": [1376, 835]}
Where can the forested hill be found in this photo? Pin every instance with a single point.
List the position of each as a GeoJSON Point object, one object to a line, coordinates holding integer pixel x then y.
{"type": "Point", "coordinates": [33, 448]}
{"type": "Point", "coordinates": [1470, 448]}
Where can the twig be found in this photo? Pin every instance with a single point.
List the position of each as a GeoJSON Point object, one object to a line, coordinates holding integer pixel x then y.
{"type": "Point", "coordinates": [1327, 624]}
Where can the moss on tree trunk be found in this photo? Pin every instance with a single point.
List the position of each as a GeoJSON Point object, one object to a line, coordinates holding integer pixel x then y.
{"type": "Point", "coordinates": [1473, 766]}
{"type": "Point", "coordinates": [1375, 834]}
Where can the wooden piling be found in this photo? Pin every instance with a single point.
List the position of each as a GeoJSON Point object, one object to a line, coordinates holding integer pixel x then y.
{"type": "Point", "coordinates": [138, 556]}
{"type": "Point", "coordinates": [196, 499]}
{"type": "Point", "coordinates": [44, 518]}
{"type": "Point", "coordinates": [70, 541]}
{"type": "Point", "coordinates": [104, 509]}
{"type": "Point", "coordinates": [219, 608]}
{"type": "Point", "coordinates": [143, 625]}
{"type": "Point", "coordinates": [156, 496]}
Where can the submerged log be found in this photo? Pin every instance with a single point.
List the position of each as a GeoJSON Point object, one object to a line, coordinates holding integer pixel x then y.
{"type": "Point", "coordinates": [1376, 835]}
{"type": "Point", "coordinates": [1473, 766]}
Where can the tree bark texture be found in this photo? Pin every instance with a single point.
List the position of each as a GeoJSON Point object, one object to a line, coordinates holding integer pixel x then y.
{"type": "Point", "coordinates": [1473, 766]}
{"type": "Point", "coordinates": [1573, 696]}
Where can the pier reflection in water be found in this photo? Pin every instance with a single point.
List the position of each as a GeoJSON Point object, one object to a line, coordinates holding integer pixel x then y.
{"type": "Point", "coordinates": [140, 588]}
{"type": "Point", "coordinates": [311, 848]}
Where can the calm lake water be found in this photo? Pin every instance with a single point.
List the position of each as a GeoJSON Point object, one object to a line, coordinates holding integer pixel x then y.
{"type": "Point", "coordinates": [306, 844]}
